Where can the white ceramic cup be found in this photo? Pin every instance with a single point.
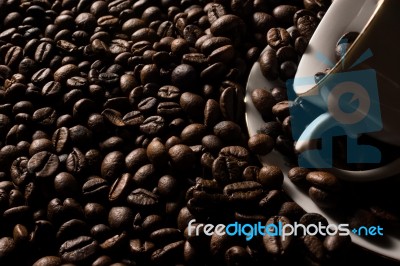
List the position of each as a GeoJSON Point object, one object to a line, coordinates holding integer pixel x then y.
{"type": "Point", "coordinates": [378, 22]}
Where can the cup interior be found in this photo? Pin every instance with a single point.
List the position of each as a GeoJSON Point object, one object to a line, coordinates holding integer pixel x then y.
{"type": "Point", "coordinates": [343, 16]}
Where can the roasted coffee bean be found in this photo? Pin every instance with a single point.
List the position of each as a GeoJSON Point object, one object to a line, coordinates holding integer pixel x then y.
{"type": "Point", "coordinates": [7, 248]}
{"type": "Point", "coordinates": [269, 64]}
{"type": "Point", "coordinates": [220, 243]}
{"type": "Point", "coordinates": [75, 162]}
{"type": "Point", "coordinates": [19, 171]}
{"type": "Point", "coordinates": [168, 93]}
{"type": "Point", "coordinates": [284, 14]}
{"type": "Point", "coordinates": [232, 104]}
{"type": "Point", "coordinates": [261, 144]}
{"type": "Point", "coordinates": [152, 125]}
{"type": "Point", "coordinates": [281, 110]}
{"type": "Point", "coordinates": [323, 180]}
{"type": "Point", "coordinates": [323, 198]}
{"type": "Point", "coordinates": [79, 249]}
{"type": "Point", "coordinates": [192, 104]}
{"type": "Point", "coordinates": [336, 244]}
{"type": "Point", "coordinates": [95, 187]}
{"type": "Point", "coordinates": [145, 176]}
{"type": "Point", "coordinates": [263, 100]}
{"type": "Point", "coordinates": [43, 164]}
{"type": "Point", "coordinates": [316, 5]}
{"type": "Point", "coordinates": [228, 26]}
{"type": "Point", "coordinates": [184, 76]}
{"type": "Point", "coordinates": [112, 165]}
{"type": "Point", "coordinates": [271, 177]}
{"type": "Point", "coordinates": [229, 165]}
{"type": "Point", "coordinates": [143, 199]}
{"type": "Point", "coordinates": [228, 131]}
{"type": "Point", "coordinates": [291, 210]}
{"type": "Point", "coordinates": [276, 245]}
{"type": "Point", "coordinates": [169, 109]}
{"type": "Point", "coordinates": [192, 134]}
{"type": "Point", "coordinates": [48, 261]}
{"type": "Point", "coordinates": [314, 248]}
{"type": "Point", "coordinates": [300, 45]}
{"type": "Point", "coordinates": [307, 25]}
{"type": "Point", "coordinates": [215, 11]}
{"type": "Point", "coordinates": [133, 118]}
{"type": "Point", "coordinates": [344, 43]}
{"type": "Point", "coordinates": [244, 191]}
{"type": "Point", "coordinates": [236, 255]}
{"type": "Point", "coordinates": [45, 116]}
{"type": "Point", "coordinates": [120, 188]}
{"type": "Point", "coordinates": [181, 156]}
{"type": "Point", "coordinates": [288, 70]}
{"type": "Point", "coordinates": [298, 175]}
{"type": "Point", "coordinates": [66, 185]}
{"type": "Point", "coordinates": [168, 186]}
{"type": "Point", "coordinates": [167, 253]}
{"type": "Point", "coordinates": [65, 72]}
{"type": "Point", "coordinates": [72, 229]}
{"type": "Point", "coordinates": [278, 37]}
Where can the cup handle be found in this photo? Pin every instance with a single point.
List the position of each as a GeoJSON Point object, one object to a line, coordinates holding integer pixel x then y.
{"type": "Point", "coordinates": [311, 157]}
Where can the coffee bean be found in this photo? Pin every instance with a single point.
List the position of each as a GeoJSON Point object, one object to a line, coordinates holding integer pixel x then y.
{"type": "Point", "coordinates": [307, 25]}
{"type": "Point", "coordinates": [152, 125]}
{"type": "Point", "coordinates": [231, 104]}
{"type": "Point", "coordinates": [291, 210]}
{"type": "Point", "coordinates": [45, 116]}
{"type": "Point", "coordinates": [143, 199]}
{"type": "Point", "coordinates": [229, 165]}
{"type": "Point", "coordinates": [76, 162]}
{"type": "Point", "coordinates": [7, 248]}
{"type": "Point", "coordinates": [298, 175]}
{"type": "Point", "coordinates": [323, 180]}
{"type": "Point", "coordinates": [344, 43]}
{"type": "Point", "coordinates": [167, 253]}
{"type": "Point", "coordinates": [193, 133]}
{"type": "Point", "coordinates": [271, 177]}
{"type": "Point", "coordinates": [133, 118]}
{"type": "Point", "coordinates": [269, 63]}
{"type": "Point", "coordinates": [228, 131]}
{"type": "Point", "coordinates": [316, 5]}
{"type": "Point", "coordinates": [278, 37]}
{"type": "Point", "coordinates": [281, 110]}
{"type": "Point", "coordinates": [95, 187]}
{"type": "Point", "coordinates": [112, 165]}
{"type": "Point", "coordinates": [261, 144]}
{"type": "Point", "coordinates": [120, 188]}
{"type": "Point", "coordinates": [314, 248]}
{"type": "Point", "coordinates": [19, 171]}
{"type": "Point", "coordinates": [65, 72]}
{"type": "Point", "coordinates": [79, 249]}
{"type": "Point", "coordinates": [48, 261]}
{"type": "Point", "coordinates": [323, 198]}
{"type": "Point", "coordinates": [244, 191]}
{"type": "Point", "coordinates": [336, 244]}
{"type": "Point", "coordinates": [276, 245]}
{"type": "Point", "coordinates": [228, 26]}
{"type": "Point", "coordinates": [43, 164]}
{"type": "Point", "coordinates": [181, 156]}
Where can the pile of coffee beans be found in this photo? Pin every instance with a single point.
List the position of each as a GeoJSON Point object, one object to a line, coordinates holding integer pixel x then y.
{"type": "Point", "coordinates": [121, 121]}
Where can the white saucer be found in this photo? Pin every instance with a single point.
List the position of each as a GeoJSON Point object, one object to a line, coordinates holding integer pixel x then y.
{"type": "Point", "coordinates": [388, 245]}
